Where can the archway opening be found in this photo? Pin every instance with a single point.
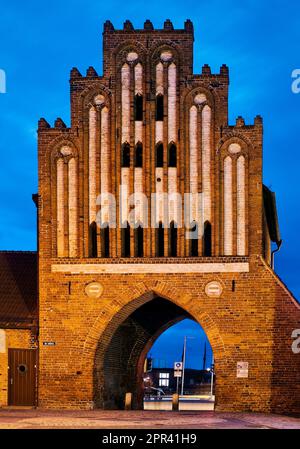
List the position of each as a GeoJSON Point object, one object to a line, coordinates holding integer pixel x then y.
{"type": "Point", "coordinates": [121, 357]}
{"type": "Point", "coordinates": [180, 362]}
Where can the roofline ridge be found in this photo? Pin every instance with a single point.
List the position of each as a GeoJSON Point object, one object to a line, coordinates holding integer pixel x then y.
{"type": "Point", "coordinates": [5, 251]}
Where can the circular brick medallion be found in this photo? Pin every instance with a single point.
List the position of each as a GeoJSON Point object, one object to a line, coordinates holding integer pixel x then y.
{"type": "Point", "coordinates": [213, 289]}
{"type": "Point", "coordinates": [94, 290]}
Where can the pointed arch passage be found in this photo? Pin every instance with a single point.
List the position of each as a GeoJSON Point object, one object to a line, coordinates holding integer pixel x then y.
{"type": "Point", "coordinates": [125, 156]}
{"type": "Point", "coordinates": [173, 239]}
{"type": "Point", "coordinates": [159, 155]}
{"type": "Point", "coordinates": [159, 240]}
{"type": "Point", "coordinates": [125, 240]}
{"type": "Point", "coordinates": [138, 157]}
{"type": "Point", "coordinates": [123, 357]}
{"type": "Point", "coordinates": [172, 155]}
{"type": "Point", "coordinates": [119, 357]}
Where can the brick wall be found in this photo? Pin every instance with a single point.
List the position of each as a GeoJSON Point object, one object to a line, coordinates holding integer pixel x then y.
{"type": "Point", "coordinates": [253, 323]}
{"type": "Point", "coordinates": [98, 339]}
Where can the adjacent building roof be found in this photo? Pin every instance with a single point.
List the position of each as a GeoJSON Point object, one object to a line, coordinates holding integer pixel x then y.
{"type": "Point", "coordinates": [271, 214]}
{"type": "Point", "coordinates": [18, 288]}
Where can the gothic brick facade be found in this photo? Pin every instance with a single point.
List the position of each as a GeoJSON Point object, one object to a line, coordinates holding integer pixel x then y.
{"type": "Point", "coordinates": [106, 293]}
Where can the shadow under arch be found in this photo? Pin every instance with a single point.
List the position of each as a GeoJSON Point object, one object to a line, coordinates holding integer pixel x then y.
{"type": "Point", "coordinates": [119, 350]}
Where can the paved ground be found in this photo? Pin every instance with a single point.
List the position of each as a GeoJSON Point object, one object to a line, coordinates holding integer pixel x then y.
{"type": "Point", "coordinates": [203, 403]}
{"type": "Point", "coordinates": [99, 419]}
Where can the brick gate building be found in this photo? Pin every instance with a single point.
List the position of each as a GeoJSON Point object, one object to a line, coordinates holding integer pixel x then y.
{"type": "Point", "coordinates": [150, 125]}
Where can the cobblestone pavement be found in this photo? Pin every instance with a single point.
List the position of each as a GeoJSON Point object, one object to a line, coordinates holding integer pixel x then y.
{"type": "Point", "coordinates": [98, 419]}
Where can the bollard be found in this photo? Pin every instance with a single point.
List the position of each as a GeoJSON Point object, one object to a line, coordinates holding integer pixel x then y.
{"type": "Point", "coordinates": [128, 401]}
{"type": "Point", "coordinates": [175, 402]}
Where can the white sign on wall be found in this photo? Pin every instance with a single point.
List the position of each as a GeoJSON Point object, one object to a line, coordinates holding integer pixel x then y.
{"type": "Point", "coordinates": [242, 369]}
{"type": "Point", "coordinates": [2, 341]}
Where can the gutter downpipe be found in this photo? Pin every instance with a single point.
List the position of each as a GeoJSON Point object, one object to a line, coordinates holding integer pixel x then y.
{"type": "Point", "coordinates": [273, 253]}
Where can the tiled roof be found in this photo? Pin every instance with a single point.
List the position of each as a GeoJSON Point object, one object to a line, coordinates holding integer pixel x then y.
{"type": "Point", "coordinates": [18, 288]}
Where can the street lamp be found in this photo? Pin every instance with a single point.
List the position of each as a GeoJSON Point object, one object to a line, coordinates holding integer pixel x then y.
{"type": "Point", "coordinates": [183, 361]}
{"type": "Point", "coordinates": [212, 371]}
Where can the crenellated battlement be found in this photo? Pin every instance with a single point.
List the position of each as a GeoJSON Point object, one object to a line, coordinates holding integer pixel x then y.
{"type": "Point", "coordinates": [149, 124]}
{"type": "Point", "coordinates": [148, 27]}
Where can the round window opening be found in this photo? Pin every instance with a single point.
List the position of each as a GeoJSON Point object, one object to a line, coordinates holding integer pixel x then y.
{"type": "Point", "coordinates": [22, 368]}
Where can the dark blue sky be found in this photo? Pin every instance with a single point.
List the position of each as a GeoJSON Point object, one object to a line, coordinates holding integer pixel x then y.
{"type": "Point", "coordinates": [168, 348]}
{"type": "Point", "coordinates": [42, 41]}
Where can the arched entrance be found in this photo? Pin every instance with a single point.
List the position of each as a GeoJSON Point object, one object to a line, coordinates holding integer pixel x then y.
{"type": "Point", "coordinates": [183, 342]}
{"type": "Point", "coordinates": [123, 347]}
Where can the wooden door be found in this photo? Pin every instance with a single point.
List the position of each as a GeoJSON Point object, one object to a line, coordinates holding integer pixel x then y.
{"type": "Point", "coordinates": [21, 376]}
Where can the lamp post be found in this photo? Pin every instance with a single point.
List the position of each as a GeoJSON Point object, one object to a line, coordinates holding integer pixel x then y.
{"type": "Point", "coordinates": [183, 362]}
{"type": "Point", "coordinates": [177, 385]}
{"type": "Point", "coordinates": [212, 376]}
{"type": "Point", "coordinates": [183, 365]}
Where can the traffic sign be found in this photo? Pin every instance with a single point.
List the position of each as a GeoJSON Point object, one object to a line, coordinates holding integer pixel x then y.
{"type": "Point", "coordinates": [178, 366]}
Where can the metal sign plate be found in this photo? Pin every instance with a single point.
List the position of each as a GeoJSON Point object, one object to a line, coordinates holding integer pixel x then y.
{"type": "Point", "coordinates": [242, 369]}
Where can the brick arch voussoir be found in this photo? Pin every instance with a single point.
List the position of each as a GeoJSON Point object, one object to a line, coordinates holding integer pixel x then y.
{"type": "Point", "coordinates": [129, 45]}
{"type": "Point", "coordinates": [191, 92]}
{"type": "Point", "coordinates": [144, 351]}
{"type": "Point", "coordinates": [88, 94]}
{"type": "Point", "coordinates": [56, 144]}
{"type": "Point", "coordinates": [109, 320]}
{"type": "Point", "coordinates": [156, 48]}
{"type": "Point", "coordinates": [234, 137]}
{"type": "Point", "coordinates": [194, 308]}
